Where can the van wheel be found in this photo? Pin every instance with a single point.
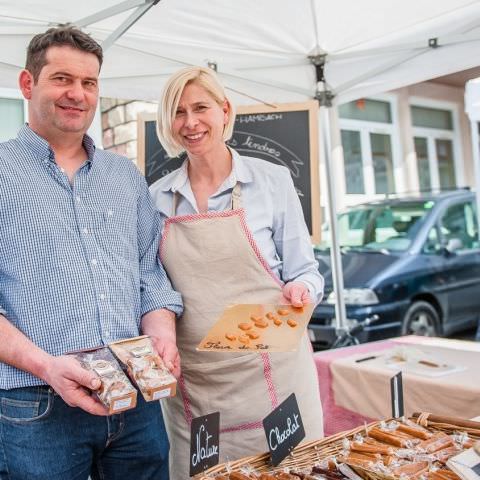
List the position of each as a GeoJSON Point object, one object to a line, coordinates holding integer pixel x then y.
{"type": "Point", "coordinates": [421, 318]}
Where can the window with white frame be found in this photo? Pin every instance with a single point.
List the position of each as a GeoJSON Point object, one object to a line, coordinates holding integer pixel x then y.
{"type": "Point", "coordinates": [369, 141]}
{"type": "Point", "coordinates": [12, 113]}
{"type": "Point", "coordinates": [436, 146]}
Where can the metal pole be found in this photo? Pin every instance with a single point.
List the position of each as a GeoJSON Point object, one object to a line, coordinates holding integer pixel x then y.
{"type": "Point", "coordinates": [476, 164]}
{"type": "Point", "coordinates": [335, 254]}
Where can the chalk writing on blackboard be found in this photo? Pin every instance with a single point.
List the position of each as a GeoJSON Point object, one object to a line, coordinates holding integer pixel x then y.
{"type": "Point", "coordinates": [284, 135]}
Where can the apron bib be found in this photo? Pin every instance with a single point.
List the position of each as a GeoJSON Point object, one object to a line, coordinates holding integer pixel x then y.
{"type": "Point", "coordinates": [213, 261]}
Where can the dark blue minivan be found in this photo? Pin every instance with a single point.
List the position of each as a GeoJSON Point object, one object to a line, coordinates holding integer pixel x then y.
{"type": "Point", "coordinates": [412, 262]}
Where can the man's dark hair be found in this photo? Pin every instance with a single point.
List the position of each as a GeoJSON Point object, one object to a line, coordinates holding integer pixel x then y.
{"type": "Point", "coordinates": [58, 37]}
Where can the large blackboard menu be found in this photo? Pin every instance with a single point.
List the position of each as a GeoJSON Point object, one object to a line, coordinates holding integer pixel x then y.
{"type": "Point", "coordinates": [284, 134]}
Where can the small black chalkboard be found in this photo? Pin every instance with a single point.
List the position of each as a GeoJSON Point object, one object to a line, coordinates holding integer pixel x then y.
{"type": "Point", "coordinates": [284, 429]}
{"type": "Point", "coordinates": [476, 469]}
{"type": "Point", "coordinates": [396, 390]}
{"type": "Point", "coordinates": [204, 442]}
{"type": "Point", "coordinates": [285, 135]}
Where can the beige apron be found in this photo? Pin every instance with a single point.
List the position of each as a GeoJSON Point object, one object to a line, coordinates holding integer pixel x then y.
{"type": "Point", "coordinates": [213, 261]}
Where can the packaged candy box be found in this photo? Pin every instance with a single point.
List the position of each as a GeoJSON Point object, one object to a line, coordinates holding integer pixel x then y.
{"type": "Point", "coordinates": [116, 391]}
{"type": "Point", "coordinates": [145, 368]}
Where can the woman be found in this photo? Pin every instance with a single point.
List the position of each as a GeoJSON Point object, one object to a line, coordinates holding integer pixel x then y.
{"type": "Point", "coordinates": [234, 233]}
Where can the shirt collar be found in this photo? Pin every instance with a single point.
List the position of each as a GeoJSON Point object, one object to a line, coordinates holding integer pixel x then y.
{"type": "Point", "coordinates": [240, 173]}
{"type": "Point", "coordinates": [41, 147]}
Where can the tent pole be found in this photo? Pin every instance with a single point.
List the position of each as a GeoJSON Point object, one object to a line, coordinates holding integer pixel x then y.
{"type": "Point", "coordinates": [476, 164]}
{"type": "Point", "coordinates": [108, 12]}
{"type": "Point", "coordinates": [335, 255]}
{"type": "Point", "coordinates": [133, 18]}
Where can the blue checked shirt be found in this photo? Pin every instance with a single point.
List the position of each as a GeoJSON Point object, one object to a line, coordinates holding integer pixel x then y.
{"type": "Point", "coordinates": [78, 262]}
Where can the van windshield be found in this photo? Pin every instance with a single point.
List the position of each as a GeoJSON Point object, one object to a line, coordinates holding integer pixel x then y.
{"type": "Point", "coordinates": [379, 227]}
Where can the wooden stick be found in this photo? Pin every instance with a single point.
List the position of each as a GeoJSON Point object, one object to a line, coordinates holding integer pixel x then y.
{"type": "Point", "coordinates": [451, 420]}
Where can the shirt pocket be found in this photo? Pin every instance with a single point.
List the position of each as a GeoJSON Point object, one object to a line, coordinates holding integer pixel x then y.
{"type": "Point", "coordinates": [115, 231]}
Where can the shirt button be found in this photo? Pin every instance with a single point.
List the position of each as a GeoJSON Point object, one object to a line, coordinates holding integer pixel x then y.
{"type": "Point", "coordinates": [94, 261]}
{"type": "Point", "coordinates": [110, 213]}
{"type": "Point", "coordinates": [85, 230]}
{"type": "Point", "coordinates": [77, 198]}
{"type": "Point", "coordinates": [62, 169]}
{"type": "Point", "coordinates": [107, 333]}
{"type": "Point", "coordinates": [102, 296]}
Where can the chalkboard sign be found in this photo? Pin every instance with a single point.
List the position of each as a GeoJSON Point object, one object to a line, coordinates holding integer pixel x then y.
{"type": "Point", "coordinates": [284, 429]}
{"type": "Point", "coordinates": [204, 442]}
{"type": "Point", "coordinates": [284, 134]}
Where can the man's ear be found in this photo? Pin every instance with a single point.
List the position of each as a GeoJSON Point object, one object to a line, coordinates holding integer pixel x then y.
{"type": "Point", "coordinates": [25, 82]}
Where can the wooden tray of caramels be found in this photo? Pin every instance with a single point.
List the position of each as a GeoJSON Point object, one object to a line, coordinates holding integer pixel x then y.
{"type": "Point", "coordinates": [259, 328]}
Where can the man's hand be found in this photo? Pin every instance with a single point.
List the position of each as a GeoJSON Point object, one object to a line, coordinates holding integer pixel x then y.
{"type": "Point", "coordinates": [160, 326]}
{"type": "Point", "coordinates": [74, 383]}
{"type": "Point", "coordinates": [296, 293]}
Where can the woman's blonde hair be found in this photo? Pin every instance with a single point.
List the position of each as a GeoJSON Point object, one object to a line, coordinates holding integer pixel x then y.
{"type": "Point", "coordinates": [202, 76]}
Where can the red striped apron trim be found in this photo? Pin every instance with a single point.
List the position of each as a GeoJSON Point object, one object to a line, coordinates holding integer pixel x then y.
{"type": "Point", "coordinates": [246, 426]}
{"type": "Point", "coordinates": [267, 374]}
{"type": "Point", "coordinates": [187, 409]}
{"type": "Point", "coordinates": [225, 213]}
{"type": "Point", "coordinates": [193, 218]}
{"type": "Point", "coordinates": [267, 367]}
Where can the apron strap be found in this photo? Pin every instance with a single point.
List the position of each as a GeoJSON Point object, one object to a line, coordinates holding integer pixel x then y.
{"type": "Point", "coordinates": [236, 197]}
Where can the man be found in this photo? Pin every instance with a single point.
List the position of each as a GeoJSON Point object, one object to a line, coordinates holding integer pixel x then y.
{"type": "Point", "coordinates": [78, 269]}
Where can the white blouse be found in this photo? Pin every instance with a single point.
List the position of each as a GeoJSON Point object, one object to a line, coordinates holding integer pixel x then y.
{"type": "Point", "coordinates": [272, 208]}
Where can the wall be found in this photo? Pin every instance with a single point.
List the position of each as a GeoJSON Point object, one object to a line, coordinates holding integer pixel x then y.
{"type": "Point", "coordinates": [446, 93]}
{"type": "Point", "coordinates": [119, 124]}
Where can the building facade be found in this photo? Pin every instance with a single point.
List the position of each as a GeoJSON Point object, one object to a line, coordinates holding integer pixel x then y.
{"type": "Point", "coordinates": [413, 139]}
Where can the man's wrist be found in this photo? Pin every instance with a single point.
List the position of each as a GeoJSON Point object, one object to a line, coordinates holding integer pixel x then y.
{"type": "Point", "coordinates": [41, 365]}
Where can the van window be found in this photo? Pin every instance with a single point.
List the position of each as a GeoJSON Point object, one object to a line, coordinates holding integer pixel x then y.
{"type": "Point", "coordinates": [391, 227]}
{"type": "Point", "coordinates": [460, 222]}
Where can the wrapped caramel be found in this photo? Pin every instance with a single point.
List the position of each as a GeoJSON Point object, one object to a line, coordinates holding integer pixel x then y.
{"type": "Point", "coordinates": [145, 368]}
{"type": "Point", "coordinates": [116, 391]}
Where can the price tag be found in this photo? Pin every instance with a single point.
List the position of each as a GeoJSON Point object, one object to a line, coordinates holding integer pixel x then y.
{"type": "Point", "coordinates": [284, 429]}
{"type": "Point", "coordinates": [204, 442]}
{"type": "Point", "coordinates": [466, 464]}
{"type": "Point", "coordinates": [396, 389]}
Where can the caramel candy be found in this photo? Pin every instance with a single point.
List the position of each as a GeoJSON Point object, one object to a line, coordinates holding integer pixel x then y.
{"type": "Point", "coordinates": [410, 469]}
{"type": "Point", "coordinates": [270, 315]}
{"type": "Point", "coordinates": [243, 338]}
{"type": "Point", "coordinates": [283, 311]}
{"type": "Point", "coordinates": [415, 431]}
{"type": "Point", "coordinates": [292, 323]}
{"type": "Point", "coordinates": [244, 326]}
{"type": "Point", "coordinates": [261, 324]}
{"type": "Point", "coordinates": [256, 318]}
{"type": "Point", "coordinates": [253, 335]}
{"type": "Point", "coordinates": [230, 336]}
{"type": "Point", "coordinates": [239, 476]}
{"type": "Point", "coordinates": [438, 441]}
{"type": "Point", "coordinates": [277, 321]}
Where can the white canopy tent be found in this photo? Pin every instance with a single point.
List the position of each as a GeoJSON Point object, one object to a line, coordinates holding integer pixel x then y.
{"type": "Point", "coordinates": [266, 50]}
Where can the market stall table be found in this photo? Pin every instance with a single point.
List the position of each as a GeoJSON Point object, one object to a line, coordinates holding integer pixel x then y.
{"type": "Point", "coordinates": [356, 392]}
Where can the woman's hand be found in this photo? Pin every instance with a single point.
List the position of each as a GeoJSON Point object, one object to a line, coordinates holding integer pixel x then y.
{"type": "Point", "coordinates": [296, 293]}
{"type": "Point", "coordinates": [160, 326]}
